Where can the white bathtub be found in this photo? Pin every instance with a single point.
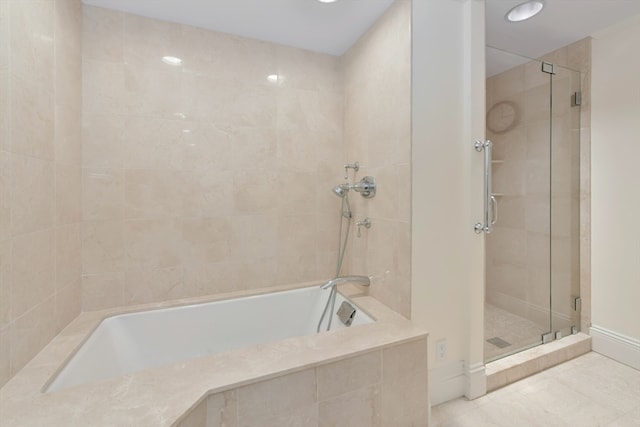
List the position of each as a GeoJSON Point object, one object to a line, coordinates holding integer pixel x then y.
{"type": "Point", "coordinates": [132, 342]}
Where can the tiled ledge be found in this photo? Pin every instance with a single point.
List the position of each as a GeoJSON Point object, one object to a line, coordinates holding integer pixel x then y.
{"type": "Point", "coordinates": [521, 365]}
{"type": "Point", "coordinates": [161, 396]}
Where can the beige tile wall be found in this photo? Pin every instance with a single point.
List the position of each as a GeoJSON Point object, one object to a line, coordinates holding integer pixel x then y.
{"type": "Point", "coordinates": [377, 134]}
{"type": "Point", "coordinates": [197, 179]}
{"type": "Point", "coordinates": [209, 177]}
{"type": "Point", "coordinates": [40, 175]}
{"type": "Point", "coordinates": [380, 388]}
{"type": "Point", "coordinates": [206, 177]}
{"type": "Point", "coordinates": [518, 252]}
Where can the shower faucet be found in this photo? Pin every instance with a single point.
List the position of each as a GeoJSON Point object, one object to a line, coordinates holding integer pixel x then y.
{"type": "Point", "coordinates": [362, 280]}
{"type": "Point", "coordinates": [366, 187]}
{"type": "Point", "coordinates": [355, 166]}
{"type": "Point", "coordinates": [366, 223]}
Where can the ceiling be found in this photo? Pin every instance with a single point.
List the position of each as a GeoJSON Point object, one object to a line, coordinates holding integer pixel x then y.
{"type": "Point", "coordinates": [560, 23]}
{"type": "Point", "coordinates": [333, 27]}
{"type": "Point", "coordinates": [322, 27]}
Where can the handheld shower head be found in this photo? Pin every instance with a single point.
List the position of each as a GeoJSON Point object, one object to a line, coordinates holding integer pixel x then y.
{"type": "Point", "coordinates": [340, 190]}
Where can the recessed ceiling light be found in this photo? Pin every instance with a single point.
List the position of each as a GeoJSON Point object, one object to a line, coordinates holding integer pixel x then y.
{"type": "Point", "coordinates": [172, 60]}
{"type": "Point", "coordinates": [327, 1]}
{"type": "Point", "coordinates": [524, 11]}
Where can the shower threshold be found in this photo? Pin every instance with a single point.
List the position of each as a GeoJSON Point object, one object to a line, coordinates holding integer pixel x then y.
{"type": "Point", "coordinates": [522, 364]}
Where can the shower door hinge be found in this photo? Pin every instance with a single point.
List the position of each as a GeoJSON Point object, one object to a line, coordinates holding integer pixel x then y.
{"type": "Point", "coordinates": [576, 99]}
{"type": "Point", "coordinates": [577, 304]}
{"type": "Point", "coordinates": [548, 337]}
{"type": "Point", "coordinates": [547, 67]}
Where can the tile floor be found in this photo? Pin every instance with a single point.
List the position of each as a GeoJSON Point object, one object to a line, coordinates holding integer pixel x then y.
{"type": "Point", "coordinates": [589, 391]}
{"type": "Point", "coordinates": [517, 331]}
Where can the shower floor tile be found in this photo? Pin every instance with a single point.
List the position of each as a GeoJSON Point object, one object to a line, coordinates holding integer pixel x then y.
{"type": "Point", "coordinates": [506, 332]}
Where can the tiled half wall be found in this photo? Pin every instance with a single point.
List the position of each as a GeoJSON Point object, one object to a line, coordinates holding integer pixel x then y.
{"type": "Point", "coordinates": [380, 388]}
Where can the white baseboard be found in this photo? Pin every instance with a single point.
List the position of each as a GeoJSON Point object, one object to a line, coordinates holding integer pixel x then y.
{"type": "Point", "coordinates": [615, 346]}
{"type": "Point", "coordinates": [476, 379]}
{"type": "Point", "coordinates": [446, 383]}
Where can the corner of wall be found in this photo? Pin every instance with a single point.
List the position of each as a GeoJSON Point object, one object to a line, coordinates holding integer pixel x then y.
{"type": "Point", "coordinates": [447, 278]}
{"type": "Point", "coordinates": [40, 185]}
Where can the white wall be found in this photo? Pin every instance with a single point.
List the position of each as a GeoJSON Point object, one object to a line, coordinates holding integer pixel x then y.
{"type": "Point", "coordinates": [447, 256]}
{"type": "Point", "coordinates": [616, 191]}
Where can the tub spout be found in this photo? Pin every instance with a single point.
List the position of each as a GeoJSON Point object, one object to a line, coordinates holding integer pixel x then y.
{"type": "Point", "coordinates": [362, 280]}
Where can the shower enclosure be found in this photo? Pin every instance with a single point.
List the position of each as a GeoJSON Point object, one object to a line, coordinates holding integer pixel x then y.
{"type": "Point", "coordinates": [532, 249]}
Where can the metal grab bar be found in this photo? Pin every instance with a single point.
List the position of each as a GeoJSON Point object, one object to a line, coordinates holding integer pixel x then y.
{"type": "Point", "coordinates": [490, 202]}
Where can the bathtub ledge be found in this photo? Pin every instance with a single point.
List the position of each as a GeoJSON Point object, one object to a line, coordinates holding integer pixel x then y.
{"type": "Point", "coordinates": [162, 396]}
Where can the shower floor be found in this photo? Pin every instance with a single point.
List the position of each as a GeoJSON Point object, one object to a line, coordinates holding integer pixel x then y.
{"type": "Point", "coordinates": [506, 333]}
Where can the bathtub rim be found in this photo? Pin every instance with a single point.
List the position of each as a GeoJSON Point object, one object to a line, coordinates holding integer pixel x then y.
{"type": "Point", "coordinates": [186, 302]}
{"type": "Point", "coordinates": [162, 396]}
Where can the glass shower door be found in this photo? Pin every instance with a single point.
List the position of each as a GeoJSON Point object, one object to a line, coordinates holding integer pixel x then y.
{"type": "Point", "coordinates": [565, 201]}
{"type": "Point", "coordinates": [532, 254]}
{"type": "Point", "coordinates": [518, 251]}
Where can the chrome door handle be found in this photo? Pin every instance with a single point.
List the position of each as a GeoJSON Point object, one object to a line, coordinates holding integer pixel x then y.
{"type": "Point", "coordinates": [490, 202]}
{"type": "Point", "coordinates": [494, 209]}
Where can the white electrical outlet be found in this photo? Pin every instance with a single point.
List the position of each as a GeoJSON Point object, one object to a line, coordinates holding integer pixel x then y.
{"type": "Point", "coordinates": [441, 349]}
